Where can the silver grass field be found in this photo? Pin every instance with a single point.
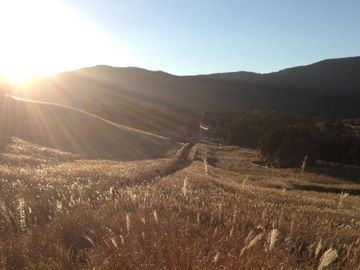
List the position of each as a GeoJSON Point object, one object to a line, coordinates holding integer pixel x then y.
{"type": "Point", "coordinates": [218, 210]}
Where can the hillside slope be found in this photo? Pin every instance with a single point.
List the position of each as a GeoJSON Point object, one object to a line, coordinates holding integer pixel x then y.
{"type": "Point", "coordinates": [328, 86]}
{"type": "Point", "coordinates": [75, 131]}
{"type": "Point", "coordinates": [220, 210]}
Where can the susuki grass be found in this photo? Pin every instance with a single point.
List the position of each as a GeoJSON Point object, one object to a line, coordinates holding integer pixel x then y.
{"type": "Point", "coordinates": [83, 214]}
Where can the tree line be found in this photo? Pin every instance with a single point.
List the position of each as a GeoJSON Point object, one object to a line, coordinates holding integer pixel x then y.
{"type": "Point", "coordinates": [285, 139]}
{"type": "Point", "coordinates": [288, 145]}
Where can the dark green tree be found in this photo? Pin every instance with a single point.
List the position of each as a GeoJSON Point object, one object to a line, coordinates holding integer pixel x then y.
{"type": "Point", "coordinates": [271, 141]}
{"type": "Point", "coordinates": [355, 153]}
{"type": "Point", "coordinates": [292, 151]}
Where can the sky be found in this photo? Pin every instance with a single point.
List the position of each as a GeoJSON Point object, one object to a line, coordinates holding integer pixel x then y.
{"type": "Point", "coordinates": [179, 37]}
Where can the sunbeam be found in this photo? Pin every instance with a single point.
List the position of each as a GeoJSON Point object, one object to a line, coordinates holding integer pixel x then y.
{"type": "Point", "coordinates": [76, 131]}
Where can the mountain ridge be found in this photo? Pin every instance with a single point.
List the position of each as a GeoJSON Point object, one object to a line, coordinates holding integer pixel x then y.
{"type": "Point", "coordinates": [316, 88]}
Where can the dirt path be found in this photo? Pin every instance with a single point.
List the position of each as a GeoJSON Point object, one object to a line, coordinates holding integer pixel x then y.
{"type": "Point", "coordinates": [183, 159]}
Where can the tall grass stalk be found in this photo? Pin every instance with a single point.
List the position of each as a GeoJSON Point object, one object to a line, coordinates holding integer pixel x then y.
{"type": "Point", "coordinates": [303, 166]}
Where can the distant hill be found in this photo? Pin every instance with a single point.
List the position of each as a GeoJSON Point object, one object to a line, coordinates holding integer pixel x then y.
{"type": "Point", "coordinates": [329, 86]}
{"type": "Point", "coordinates": [75, 131]}
{"type": "Point", "coordinates": [334, 75]}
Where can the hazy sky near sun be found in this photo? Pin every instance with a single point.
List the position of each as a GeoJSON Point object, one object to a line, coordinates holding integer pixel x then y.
{"type": "Point", "coordinates": [179, 37]}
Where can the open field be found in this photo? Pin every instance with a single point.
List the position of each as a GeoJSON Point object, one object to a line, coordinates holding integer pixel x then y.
{"type": "Point", "coordinates": [205, 208]}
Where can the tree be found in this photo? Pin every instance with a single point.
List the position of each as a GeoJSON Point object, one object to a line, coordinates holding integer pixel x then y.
{"type": "Point", "coordinates": [238, 131]}
{"type": "Point", "coordinates": [286, 146]}
{"type": "Point", "coordinates": [355, 152]}
{"type": "Point", "coordinates": [271, 142]}
{"type": "Point", "coordinates": [292, 151]}
{"type": "Point", "coordinates": [348, 143]}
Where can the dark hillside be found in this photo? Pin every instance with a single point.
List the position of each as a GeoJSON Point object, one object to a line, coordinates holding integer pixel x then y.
{"type": "Point", "coordinates": [330, 86]}
{"type": "Point", "coordinates": [75, 131]}
{"type": "Point", "coordinates": [332, 75]}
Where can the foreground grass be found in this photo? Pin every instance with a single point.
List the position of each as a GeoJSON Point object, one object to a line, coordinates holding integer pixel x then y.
{"type": "Point", "coordinates": [220, 212]}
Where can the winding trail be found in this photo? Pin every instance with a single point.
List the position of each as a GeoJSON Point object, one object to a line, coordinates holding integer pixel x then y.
{"type": "Point", "coordinates": [183, 159]}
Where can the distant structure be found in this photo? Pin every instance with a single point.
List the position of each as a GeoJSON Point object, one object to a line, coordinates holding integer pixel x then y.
{"type": "Point", "coordinates": [204, 127]}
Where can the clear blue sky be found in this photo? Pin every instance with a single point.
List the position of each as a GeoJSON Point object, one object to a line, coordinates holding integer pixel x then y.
{"type": "Point", "coordinates": [199, 37]}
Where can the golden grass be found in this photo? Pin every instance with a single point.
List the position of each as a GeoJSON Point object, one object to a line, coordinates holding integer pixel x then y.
{"type": "Point", "coordinates": [151, 214]}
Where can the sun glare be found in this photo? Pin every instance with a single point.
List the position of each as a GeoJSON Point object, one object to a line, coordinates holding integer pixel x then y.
{"type": "Point", "coordinates": [18, 76]}
{"type": "Point", "coordinates": [45, 37]}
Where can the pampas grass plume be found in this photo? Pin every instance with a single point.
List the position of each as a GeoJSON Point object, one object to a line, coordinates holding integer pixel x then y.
{"type": "Point", "coordinates": [327, 258]}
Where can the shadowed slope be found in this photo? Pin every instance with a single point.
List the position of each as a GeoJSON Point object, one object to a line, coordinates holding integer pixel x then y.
{"type": "Point", "coordinates": [78, 132]}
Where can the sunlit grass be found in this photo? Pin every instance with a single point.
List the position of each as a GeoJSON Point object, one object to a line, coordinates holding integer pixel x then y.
{"type": "Point", "coordinates": [70, 213]}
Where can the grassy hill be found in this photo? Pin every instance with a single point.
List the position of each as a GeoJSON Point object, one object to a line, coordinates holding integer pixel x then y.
{"type": "Point", "coordinates": [205, 208]}
{"type": "Point", "coordinates": [80, 192]}
{"type": "Point", "coordinates": [78, 132]}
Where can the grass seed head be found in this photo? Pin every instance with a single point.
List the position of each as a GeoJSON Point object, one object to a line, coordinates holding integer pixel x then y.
{"type": "Point", "coordinates": [327, 258]}
{"type": "Point", "coordinates": [216, 256]}
{"type": "Point", "coordinates": [155, 216]}
{"type": "Point", "coordinates": [272, 239]}
{"type": "Point", "coordinates": [128, 222]}
{"type": "Point", "coordinates": [318, 248]}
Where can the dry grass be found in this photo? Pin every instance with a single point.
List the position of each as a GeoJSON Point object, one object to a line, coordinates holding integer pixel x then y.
{"type": "Point", "coordinates": [83, 214]}
{"type": "Point", "coordinates": [241, 163]}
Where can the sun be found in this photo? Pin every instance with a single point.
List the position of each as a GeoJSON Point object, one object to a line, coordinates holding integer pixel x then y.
{"type": "Point", "coordinates": [45, 37]}
{"type": "Point", "coordinates": [18, 75]}
{"type": "Point", "coordinates": [25, 27]}
{"type": "Point", "coordinates": [41, 37]}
